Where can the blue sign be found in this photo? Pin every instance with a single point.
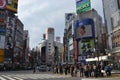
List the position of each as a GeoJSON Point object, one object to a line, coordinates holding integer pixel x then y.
{"type": "Point", "coordinates": [84, 28]}
{"type": "Point", "coordinates": [2, 30]}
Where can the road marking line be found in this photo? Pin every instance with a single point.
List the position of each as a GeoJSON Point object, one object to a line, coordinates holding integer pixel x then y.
{"type": "Point", "coordinates": [8, 77]}
{"type": "Point", "coordinates": [1, 78]}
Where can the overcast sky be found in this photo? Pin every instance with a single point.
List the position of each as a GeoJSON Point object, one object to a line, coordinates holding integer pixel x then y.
{"type": "Point", "coordinates": [37, 15]}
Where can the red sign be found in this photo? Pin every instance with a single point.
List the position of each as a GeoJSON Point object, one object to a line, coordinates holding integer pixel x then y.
{"type": "Point", "coordinates": [75, 50]}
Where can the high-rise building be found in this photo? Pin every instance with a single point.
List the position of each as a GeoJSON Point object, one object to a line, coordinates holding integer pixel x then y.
{"type": "Point", "coordinates": [112, 20]}
{"type": "Point", "coordinates": [49, 48]}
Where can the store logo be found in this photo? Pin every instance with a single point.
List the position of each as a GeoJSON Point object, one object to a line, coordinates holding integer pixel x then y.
{"type": "Point", "coordinates": [2, 3]}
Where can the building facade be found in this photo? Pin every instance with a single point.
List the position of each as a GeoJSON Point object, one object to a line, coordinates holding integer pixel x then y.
{"type": "Point", "coordinates": [68, 39]}
{"type": "Point", "coordinates": [112, 20]}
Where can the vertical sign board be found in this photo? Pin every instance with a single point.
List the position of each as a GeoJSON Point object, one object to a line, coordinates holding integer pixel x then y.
{"type": "Point", "coordinates": [75, 50]}
{"type": "Point", "coordinates": [1, 55]}
{"type": "Point", "coordinates": [82, 6]}
{"type": "Point", "coordinates": [68, 18]}
{"type": "Point", "coordinates": [10, 33]}
{"type": "Point", "coordinates": [2, 41]}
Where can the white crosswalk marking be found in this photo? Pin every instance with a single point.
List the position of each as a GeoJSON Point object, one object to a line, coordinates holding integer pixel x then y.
{"type": "Point", "coordinates": [1, 78]}
{"type": "Point", "coordinates": [30, 76]}
{"type": "Point", "coordinates": [18, 78]}
{"type": "Point", "coordinates": [8, 77]}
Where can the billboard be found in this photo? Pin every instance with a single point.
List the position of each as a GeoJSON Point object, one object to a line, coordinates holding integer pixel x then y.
{"type": "Point", "coordinates": [86, 46]}
{"type": "Point", "coordinates": [84, 29]}
{"type": "Point", "coordinates": [12, 5]}
{"type": "Point", "coordinates": [82, 6]}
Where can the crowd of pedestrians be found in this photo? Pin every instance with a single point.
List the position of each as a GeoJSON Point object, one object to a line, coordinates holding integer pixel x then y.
{"type": "Point", "coordinates": [88, 70]}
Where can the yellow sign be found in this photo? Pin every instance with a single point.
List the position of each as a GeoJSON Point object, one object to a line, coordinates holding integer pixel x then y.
{"type": "Point", "coordinates": [1, 55]}
{"type": "Point", "coordinates": [12, 5]}
{"type": "Point", "coordinates": [1, 52]}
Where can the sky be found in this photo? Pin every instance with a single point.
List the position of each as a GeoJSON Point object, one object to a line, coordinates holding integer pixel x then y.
{"type": "Point", "coordinates": [37, 15]}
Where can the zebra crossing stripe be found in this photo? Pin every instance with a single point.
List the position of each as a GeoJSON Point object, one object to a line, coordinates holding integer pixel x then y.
{"type": "Point", "coordinates": [8, 77]}
{"type": "Point", "coordinates": [18, 78]}
{"type": "Point", "coordinates": [1, 78]}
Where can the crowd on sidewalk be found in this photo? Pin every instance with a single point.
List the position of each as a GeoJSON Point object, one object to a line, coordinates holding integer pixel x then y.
{"type": "Point", "coordinates": [88, 70]}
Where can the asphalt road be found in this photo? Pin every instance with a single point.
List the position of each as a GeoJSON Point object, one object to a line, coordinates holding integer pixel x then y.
{"type": "Point", "coordinates": [29, 75]}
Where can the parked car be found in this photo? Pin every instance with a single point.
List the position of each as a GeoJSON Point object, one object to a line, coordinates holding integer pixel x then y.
{"type": "Point", "coordinates": [42, 68]}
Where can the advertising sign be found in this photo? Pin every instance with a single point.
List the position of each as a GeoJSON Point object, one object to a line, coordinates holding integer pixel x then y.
{"type": "Point", "coordinates": [82, 6]}
{"type": "Point", "coordinates": [10, 33]}
{"type": "Point", "coordinates": [2, 3]}
{"type": "Point", "coordinates": [2, 41]}
{"type": "Point", "coordinates": [9, 4]}
{"type": "Point", "coordinates": [1, 55]}
{"type": "Point", "coordinates": [69, 16]}
{"type": "Point", "coordinates": [86, 46]}
{"type": "Point", "coordinates": [84, 29]}
{"type": "Point", "coordinates": [2, 17]}
{"type": "Point", "coordinates": [12, 5]}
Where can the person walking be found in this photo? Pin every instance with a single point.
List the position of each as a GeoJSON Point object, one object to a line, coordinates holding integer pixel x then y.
{"type": "Point", "coordinates": [66, 69]}
{"type": "Point", "coordinates": [81, 70]}
{"type": "Point", "coordinates": [34, 68]}
{"type": "Point", "coordinates": [72, 70]}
